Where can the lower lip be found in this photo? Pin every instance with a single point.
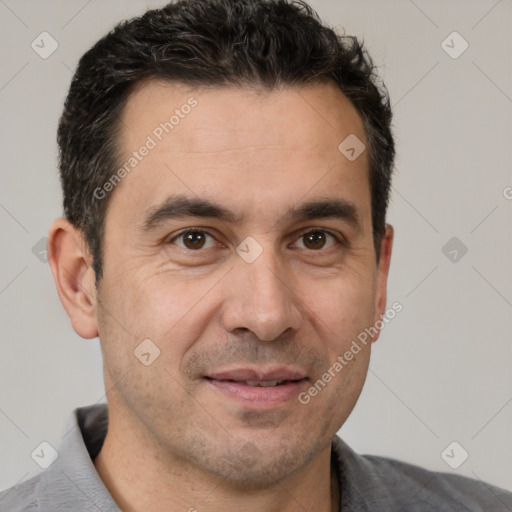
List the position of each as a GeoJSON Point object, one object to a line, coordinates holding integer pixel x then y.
{"type": "Point", "coordinates": [259, 396]}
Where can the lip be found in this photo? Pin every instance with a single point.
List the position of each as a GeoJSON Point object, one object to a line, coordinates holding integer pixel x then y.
{"type": "Point", "coordinates": [242, 374]}
{"type": "Point", "coordinates": [231, 383]}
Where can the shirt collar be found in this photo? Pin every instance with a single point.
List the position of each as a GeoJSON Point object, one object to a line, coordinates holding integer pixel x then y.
{"type": "Point", "coordinates": [72, 482]}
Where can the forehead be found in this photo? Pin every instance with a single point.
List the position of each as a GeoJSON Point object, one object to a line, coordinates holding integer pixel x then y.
{"type": "Point", "coordinates": [249, 148]}
{"type": "Point", "coordinates": [290, 115]}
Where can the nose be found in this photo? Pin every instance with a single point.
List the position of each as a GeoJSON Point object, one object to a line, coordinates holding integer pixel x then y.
{"type": "Point", "coordinates": [261, 298]}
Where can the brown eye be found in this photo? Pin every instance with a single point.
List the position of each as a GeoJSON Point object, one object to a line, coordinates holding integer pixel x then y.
{"type": "Point", "coordinates": [192, 239]}
{"type": "Point", "coordinates": [317, 239]}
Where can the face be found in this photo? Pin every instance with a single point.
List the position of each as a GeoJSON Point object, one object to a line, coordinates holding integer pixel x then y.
{"type": "Point", "coordinates": [241, 245]}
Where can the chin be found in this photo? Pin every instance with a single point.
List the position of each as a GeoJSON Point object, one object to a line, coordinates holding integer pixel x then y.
{"type": "Point", "coordinates": [258, 465]}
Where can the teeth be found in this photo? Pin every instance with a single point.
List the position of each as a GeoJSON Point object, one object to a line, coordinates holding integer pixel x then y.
{"type": "Point", "coordinates": [264, 384]}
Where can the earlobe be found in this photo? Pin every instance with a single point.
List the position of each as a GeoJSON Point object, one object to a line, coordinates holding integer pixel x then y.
{"type": "Point", "coordinates": [70, 263]}
{"type": "Point", "coordinates": [382, 276]}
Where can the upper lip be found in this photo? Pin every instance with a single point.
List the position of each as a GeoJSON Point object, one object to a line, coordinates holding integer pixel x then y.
{"type": "Point", "coordinates": [259, 375]}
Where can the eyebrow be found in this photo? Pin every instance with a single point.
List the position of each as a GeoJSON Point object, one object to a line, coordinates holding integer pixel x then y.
{"type": "Point", "coordinates": [181, 206]}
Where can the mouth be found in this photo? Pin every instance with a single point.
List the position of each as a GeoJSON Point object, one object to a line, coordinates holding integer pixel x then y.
{"type": "Point", "coordinates": [257, 383]}
{"type": "Point", "coordinates": [259, 389]}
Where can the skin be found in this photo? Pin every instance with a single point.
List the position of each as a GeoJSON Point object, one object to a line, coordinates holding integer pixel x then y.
{"type": "Point", "coordinates": [174, 441]}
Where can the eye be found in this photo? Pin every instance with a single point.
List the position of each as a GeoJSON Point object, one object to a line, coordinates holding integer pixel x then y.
{"type": "Point", "coordinates": [193, 239]}
{"type": "Point", "coordinates": [316, 239]}
{"type": "Point", "coordinates": [196, 239]}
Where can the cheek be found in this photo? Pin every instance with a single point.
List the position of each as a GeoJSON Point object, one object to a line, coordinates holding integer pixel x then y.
{"type": "Point", "coordinates": [174, 312]}
{"type": "Point", "coordinates": [157, 305]}
{"type": "Point", "coordinates": [340, 309]}
{"type": "Point", "coordinates": [168, 314]}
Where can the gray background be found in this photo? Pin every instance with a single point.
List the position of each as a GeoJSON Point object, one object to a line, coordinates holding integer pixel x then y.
{"type": "Point", "coordinates": [441, 370]}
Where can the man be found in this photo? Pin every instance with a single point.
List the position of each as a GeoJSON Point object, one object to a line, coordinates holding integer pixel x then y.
{"type": "Point", "coordinates": [226, 167]}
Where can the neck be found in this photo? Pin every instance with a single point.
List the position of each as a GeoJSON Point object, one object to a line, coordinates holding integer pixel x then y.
{"type": "Point", "coordinates": [141, 477]}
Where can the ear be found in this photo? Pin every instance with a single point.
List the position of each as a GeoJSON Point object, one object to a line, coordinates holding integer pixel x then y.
{"type": "Point", "coordinates": [382, 277]}
{"type": "Point", "coordinates": [70, 262]}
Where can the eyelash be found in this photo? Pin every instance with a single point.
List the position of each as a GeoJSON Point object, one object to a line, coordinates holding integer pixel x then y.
{"type": "Point", "coordinates": [336, 237]}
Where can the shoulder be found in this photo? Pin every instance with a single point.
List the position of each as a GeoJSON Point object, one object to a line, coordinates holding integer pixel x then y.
{"type": "Point", "coordinates": [435, 490]}
{"type": "Point", "coordinates": [21, 497]}
{"type": "Point", "coordinates": [395, 485]}
{"type": "Point", "coordinates": [71, 479]}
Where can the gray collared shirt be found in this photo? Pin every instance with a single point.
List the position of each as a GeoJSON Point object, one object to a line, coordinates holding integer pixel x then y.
{"type": "Point", "coordinates": [368, 483]}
